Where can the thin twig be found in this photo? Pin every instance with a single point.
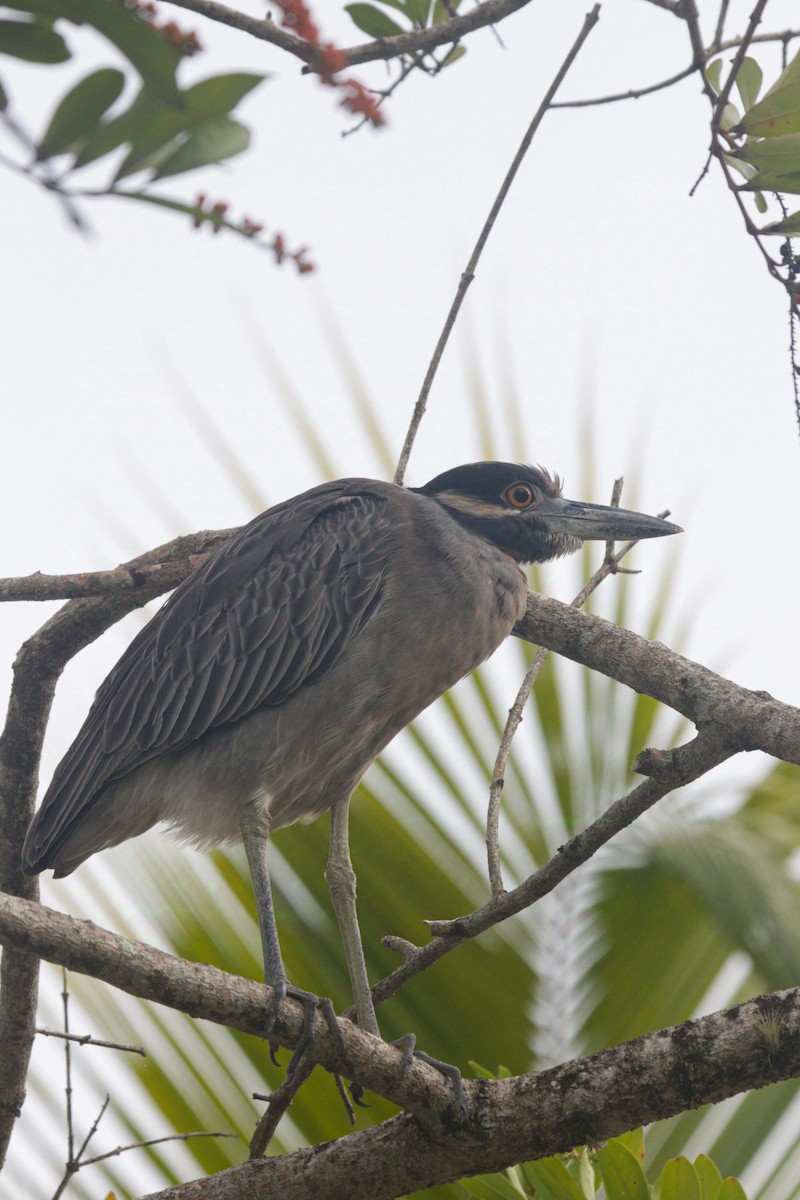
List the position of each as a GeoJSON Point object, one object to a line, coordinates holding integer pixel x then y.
{"type": "Point", "coordinates": [44, 174]}
{"type": "Point", "coordinates": [671, 769]}
{"type": "Point", "coordinates": [635, 93]}
{"type": "Point", "coordinates": [590, 21]}
{"type": "Point", "coordinates": [68, 1069]}
{"type": "Point", "coordinates": [80, 1161]}
{"type": "Point", "coordinates": [722, 99]}
{"type": "Point", "coordinates": [74, 1164]}
{"type": "Point", "coordinates": [719, 150]}
{"type": "Point", "coordinates": [723, 12]}
{"type": "Point", "coordinates": [631, 94]}
{"type": "Point", "coordinates": [788, 35]}
{"type": "Point", "coordinates": [172, 1137]}
{"type": "Point", "coordinates": [699, 54]}
{"type": "Point", "coordinates": [278, 1102]}
{"type": "Point", "coordinates": [86, 1039]}
{"type": "Point", "coordinates": [609, 566]}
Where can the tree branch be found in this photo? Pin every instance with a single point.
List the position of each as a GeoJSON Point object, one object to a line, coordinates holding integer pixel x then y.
{"type": "Point", "coordinates": [753, 720]}
{"type": "Point", "coordinates": [416, 41]}
{"type": "Point", "coordinates": [671, 769]}
{"type": "Point", "coordinates": [204, 991]}
{"type": "Point", "coordinates": [531, 1116]}
{"type": "Point", "coordinates": [590, 21]}
{"type": "Point", "coordinates": [631, 94]}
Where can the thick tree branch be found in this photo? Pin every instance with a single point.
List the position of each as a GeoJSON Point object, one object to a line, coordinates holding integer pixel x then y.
{"type": "Point", "coordinates": [531, 1116]}
{"type": "Point", "coordinates": [753, 720]}
{"type": "Point", "coordinates": [701, 1061]}
{"type": "Point", "coordinates": [417, 41]}
{"type": "Point", "coordinates": [163, 575]}
{"type": "Point", "coordinates": [203, 991]}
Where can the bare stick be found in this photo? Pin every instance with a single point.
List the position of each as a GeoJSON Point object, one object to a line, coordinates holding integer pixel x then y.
{"type": "Point", "coordinates": [787, 36]}
{"type": "Point", "coordinates": [631, 94]}
{"type": "Point", "coordinates": [86, 1039]}
{"type": "Point", "coordinates": [609, 566]}
{"type": "Point", "coordinates": [719, 150]}
{"type": "Point", "coordinates": [722, 99]}
{"type": "Point", "coordinates": [74, 1164]}
{"type": "Point", "coordinates": [723, 12]}
{"type": "Point", "coordinates": [172, 1137]}
{"type": "Point", "coordinates": [469, 274]}
{"type": "Point", "coordinates": [278, 1102]}
{"type": "Point", "coordinates": [699, 55]}
{"type": "Point", "coordinates": [675, 769]}
{"type": "Point", "coordinates": [68, 1067]}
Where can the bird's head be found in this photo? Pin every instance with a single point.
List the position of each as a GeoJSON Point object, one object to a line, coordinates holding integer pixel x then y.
{"type": "Point", "coordinates": [521, 510]}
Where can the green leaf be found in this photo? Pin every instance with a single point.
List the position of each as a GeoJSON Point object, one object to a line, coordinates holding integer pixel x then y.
{"type": "Point", "coordinates": [789, 75]}
{"type": "Point", "coordinates": [729, 117]}
{"type": "Point", "coordinates": [679, 1181]}
{"type": "Point", "coordinates": [125, 127]}
{"type": "Point", "coordinates": [491, 1187]}
{"type": "Point", "coordinates": [210, 142]}
{"type": "Point", "coordinates": [455, 54]}
{"type": "Point", "coordinates": [623, 1177]}
{"type": "Point", "coordinates": [768, 181]}
{"type": "Point", "coordinates": [777, 114]}
{"type": "Point", "coordinates": [748, 82]}
{"type": "Point", "coordinates": [32, 41]}
{"type": "Point", "coordinates": [781, 155]}
{"type": "Point", "coordinates": [372, 21]}
{"type": "Point", "coordinates": [80, 110]}
{"type": "Point", "coordinates": [551, 1180]}
{"type": "Point", "coordinates": [709, 1177]}
{"type": "Point", "coordinates": [633, 1141]}
{"type": "Point", "coordinates": [214, 97]}
{"type": "Point", "coordinates": [790, 226]}
{"type": "Point", "coordinates": [441, 14]}
{"type": "Point", "coordinates": [146, 49]}
{"type": "Point", "coordinates": [732, 1190]}
{"type": "Point", "coordinates": [418, 11]}
{"type": "Point", "coordinates": [586, 1175]}
{"type": "Point", "coordinates": [713, 73]}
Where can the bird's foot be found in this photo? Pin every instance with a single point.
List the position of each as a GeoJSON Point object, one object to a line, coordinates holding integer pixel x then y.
{"type": "Point", "coordinates": [406, 1045]}
{"type": "Point", "coordinates": [311, 1004]}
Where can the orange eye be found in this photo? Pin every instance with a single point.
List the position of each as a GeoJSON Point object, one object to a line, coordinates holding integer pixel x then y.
{"type": "Point", "coordinates": [520, 495]}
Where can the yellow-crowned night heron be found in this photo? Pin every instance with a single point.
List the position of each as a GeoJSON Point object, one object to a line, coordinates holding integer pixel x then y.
{"type": "Point", "coordinates": [261, 691]}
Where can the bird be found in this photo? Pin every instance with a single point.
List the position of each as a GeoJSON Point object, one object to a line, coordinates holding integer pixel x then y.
{"type": "Point", "coordinates": [260, 692]}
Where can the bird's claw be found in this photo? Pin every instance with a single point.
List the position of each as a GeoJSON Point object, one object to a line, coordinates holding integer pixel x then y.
{"type": "Point", "coordinates": [311, 1004]}
{"type": "Point", "coordinates": [406, 1045]}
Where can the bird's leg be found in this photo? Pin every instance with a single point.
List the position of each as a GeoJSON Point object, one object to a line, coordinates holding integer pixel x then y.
{"type": "Point", "coordinates": [255, 825]}
{"type": "Point", "coordinates": [255, 835]}
{"type": "Point", "coordinates": [342, 885]}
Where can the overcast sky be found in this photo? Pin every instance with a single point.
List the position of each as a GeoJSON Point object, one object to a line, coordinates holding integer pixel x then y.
{"type": "Point", "coordinates": [606, 297]}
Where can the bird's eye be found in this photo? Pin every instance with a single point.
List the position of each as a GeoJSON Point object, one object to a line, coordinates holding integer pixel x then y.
{"type": "Point", "coordinates": [520, 495]}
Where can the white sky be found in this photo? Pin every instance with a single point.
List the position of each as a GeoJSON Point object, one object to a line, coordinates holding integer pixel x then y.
{"type": "Point", "coordinates": [604, 291]}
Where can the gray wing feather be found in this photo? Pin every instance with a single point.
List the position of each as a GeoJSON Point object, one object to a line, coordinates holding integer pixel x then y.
{"type": "Point", "coordinates": [269, 613]}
